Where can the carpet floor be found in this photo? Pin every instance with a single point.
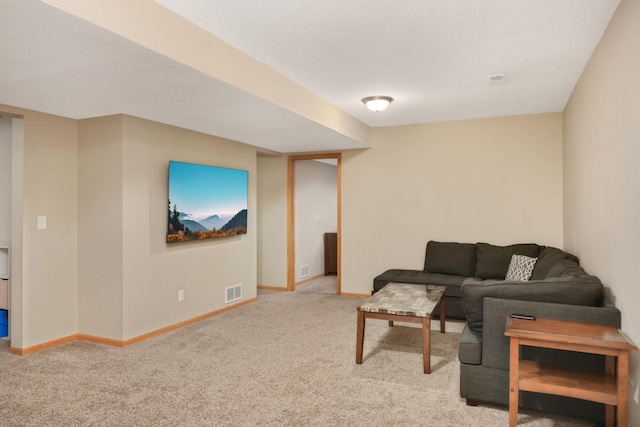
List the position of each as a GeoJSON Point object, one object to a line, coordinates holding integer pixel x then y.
{"type": "Point", "coordinates": [321, 285]}
{"type": "Point", "coordinates": [286, 360]}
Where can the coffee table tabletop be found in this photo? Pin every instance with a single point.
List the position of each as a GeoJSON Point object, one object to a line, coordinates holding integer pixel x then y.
{"type": "Point", "coordinates": [404, 299]}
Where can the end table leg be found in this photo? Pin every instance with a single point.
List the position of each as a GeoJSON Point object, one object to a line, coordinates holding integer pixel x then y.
{"type": "Point", "coordinates": [610, 415]}
{"type": "Point", "coordinates": [443, 313]}
{"type": "Point", "coordinates": [426, 344]}
{"type": "Point", "coordinates": [610, 410]}
{"type": "Point", "coordinates": [360, 337]}
{"type": "Point", "coordinates": [514, 367]}
{"type": "Point", "coordinates": [623, 387]}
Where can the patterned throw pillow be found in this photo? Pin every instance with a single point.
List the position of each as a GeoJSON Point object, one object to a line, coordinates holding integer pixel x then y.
{"type": "Point", "coordinates": [520, 268]}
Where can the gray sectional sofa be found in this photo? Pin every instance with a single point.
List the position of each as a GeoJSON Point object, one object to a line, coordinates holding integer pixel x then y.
{"type": "Point", "coordinates": [476, 290]}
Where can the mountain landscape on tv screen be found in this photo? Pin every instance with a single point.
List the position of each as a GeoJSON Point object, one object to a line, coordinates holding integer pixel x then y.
{"type": "Point", "coordinates": [183, 227]}
{"type": "Point", "coordinates": [206, 202]}
{"type": "Point", "coordinates": [239, 220]}
{"type": "Point", "coordinates": [215, 221]}
{"type": "Point", "coordinates": [193, 225]}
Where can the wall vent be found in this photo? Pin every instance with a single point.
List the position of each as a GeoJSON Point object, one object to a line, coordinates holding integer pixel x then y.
{"type": "Point", "coordinates": [232, 293]}
{"type": "Point", "coordinates": [304, 271]}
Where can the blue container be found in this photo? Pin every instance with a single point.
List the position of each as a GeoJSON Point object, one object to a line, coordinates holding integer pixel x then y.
{"type": "Point", "coordinates": [4, 323]}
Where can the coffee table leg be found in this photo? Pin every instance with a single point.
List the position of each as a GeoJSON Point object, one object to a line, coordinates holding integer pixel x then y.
{"type": "Point", "coordinates": [443, 313]}
{"type": "Point", "coordinates": [426, 344]}
{"type": "Point", "coordinates": [360, 338]}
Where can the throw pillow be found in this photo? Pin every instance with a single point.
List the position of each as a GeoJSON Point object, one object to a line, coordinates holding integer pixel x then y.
{"type": "Point", "coordinates": [520, 268]}
{"type": "Point", "coordinates": [492, 262]}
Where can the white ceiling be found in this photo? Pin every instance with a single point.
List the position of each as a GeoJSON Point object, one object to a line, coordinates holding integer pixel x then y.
{"type": "Point", "coordinates": [433, 57]}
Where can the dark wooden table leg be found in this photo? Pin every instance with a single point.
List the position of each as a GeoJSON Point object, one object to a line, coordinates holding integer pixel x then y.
{"type": "Point", "coordinates": [360, 338]}
{"type": "Point", "coordinates": [610, 410]}
{"type": "Point", "coordinates": [426, 344]}
{"type": "Point", "coordinates": [443, 313]}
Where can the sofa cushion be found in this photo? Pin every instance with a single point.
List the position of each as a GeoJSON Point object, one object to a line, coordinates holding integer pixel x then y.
{"type": "Point", "coordinates": [450, 258]}
{"type": "Point", "coordinates": [492, 262]}
{"type": "Point", "coordinates": [453, 283]}
{"type": "Point", "coordinates": [565, 267]}
{"type": "Point", "coordinates": [520, 268]}
{"type": "Point", "coordinates": [584, 290]}
{"type": "Point", "coordinates": [548, 258]}
{"type": "Point", "coordinates": [470, 346]}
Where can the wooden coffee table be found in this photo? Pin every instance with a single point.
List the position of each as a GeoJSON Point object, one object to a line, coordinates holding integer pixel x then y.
{"type": "Point", "coordinates": [403, 302]}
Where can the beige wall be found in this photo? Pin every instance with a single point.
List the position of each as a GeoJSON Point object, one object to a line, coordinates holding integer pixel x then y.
{"type": "Point", "coordinates": [5, 179]}
{"type": "Point", "coordinates": [129, 275]}
{"type": "Point", "coordinates": [50, 256]}
{"type": "Point", "coordinates": [44, 275]}
{"type": "Point", "coordinates": [602, 177]}
{"type": "Point", "coordinates": [16, 312]}
{"type": "Point", "coordinates": [154, 271]}
{"type": "Point", "coordinates": [102, 183]}
{"type": "Point", "coordinates": [495, 180]}
{"type": "Point", "coordinates": [272, 221]}
{"type": "Point", "coordinates": [100, 221]}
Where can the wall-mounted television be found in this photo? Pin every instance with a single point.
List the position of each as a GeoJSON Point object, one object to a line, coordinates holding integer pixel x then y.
{"type": "Point", "coordinates": [206, 202]}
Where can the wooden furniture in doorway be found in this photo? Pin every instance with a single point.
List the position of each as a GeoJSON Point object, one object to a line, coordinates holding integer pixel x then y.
{"type": "Point", "coordinates": [330, 253]}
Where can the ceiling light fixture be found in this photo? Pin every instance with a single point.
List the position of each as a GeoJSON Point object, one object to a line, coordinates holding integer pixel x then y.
{"type": "Point", "coordinates": [377, 103]}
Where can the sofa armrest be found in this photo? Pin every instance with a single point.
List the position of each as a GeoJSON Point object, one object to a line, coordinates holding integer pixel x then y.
{"type": "Point", "coordinates": [573, 290]}
{"type": "Point", "coordinates": [495, 345]}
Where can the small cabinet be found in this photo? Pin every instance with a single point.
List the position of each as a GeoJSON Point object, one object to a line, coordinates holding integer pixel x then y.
{"type": "Point", "coordinates": [330, 253]}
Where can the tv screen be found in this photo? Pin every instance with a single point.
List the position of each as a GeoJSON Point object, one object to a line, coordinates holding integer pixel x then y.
{"type": "Point", "coordinates": [206, 202]}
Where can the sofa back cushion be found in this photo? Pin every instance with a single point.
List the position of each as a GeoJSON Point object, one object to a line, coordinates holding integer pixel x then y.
{"type": "Point", "coordinates": [575, 290]}
{"type": "Point", "coordinates": [492, 262]}
{"type": "Point", "coordinates": [453, 258]}
{"type": "Point", "coordinates": [548, 258]}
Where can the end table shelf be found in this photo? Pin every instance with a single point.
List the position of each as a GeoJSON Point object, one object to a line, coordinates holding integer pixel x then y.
{"type": "Point", "coordinates": [596, 387]}
{"type": "Point", "coordinates": [610, 387]}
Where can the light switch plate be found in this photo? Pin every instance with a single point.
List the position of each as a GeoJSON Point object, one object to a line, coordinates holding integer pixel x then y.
{"type": "Point", "coordinates": [42, 222]}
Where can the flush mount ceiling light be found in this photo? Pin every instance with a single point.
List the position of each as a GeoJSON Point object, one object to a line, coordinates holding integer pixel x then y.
{"type": "Point", "coordinates": [377, 103]}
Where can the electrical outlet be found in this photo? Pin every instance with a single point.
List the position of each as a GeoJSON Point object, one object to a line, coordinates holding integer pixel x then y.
{"type": "Point", "coordinates": [180, 295]}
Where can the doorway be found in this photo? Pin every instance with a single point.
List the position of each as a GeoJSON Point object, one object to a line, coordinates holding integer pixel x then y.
{"type": "Point", "coordinates": [291, 213]}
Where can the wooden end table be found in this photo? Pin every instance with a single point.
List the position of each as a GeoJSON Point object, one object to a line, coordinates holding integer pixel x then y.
{"type": "Point", "coordinates": [403, 302]}
{"type": "Point", "coordinates": [610, 388]}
